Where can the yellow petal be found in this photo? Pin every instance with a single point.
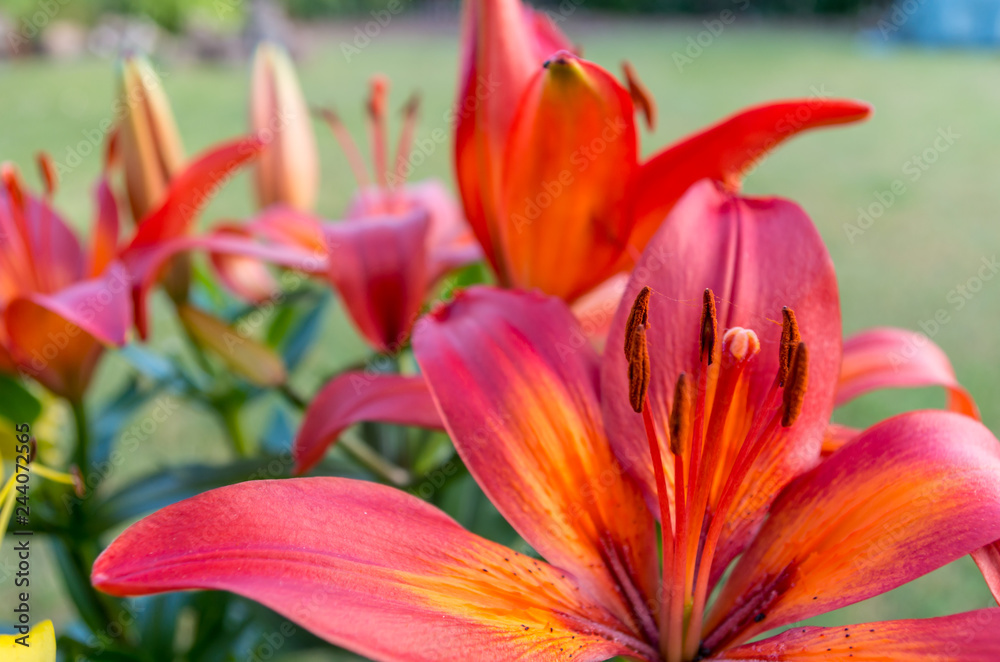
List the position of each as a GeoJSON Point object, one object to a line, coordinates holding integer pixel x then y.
{"type": "Point", "coordinates": [39, 645]}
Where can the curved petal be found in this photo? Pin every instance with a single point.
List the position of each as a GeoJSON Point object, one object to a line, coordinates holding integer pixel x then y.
{"type": "Point", "coordinates": [379, 267]}
{"type": "Point", "coordinates": [516, 383]}
{"type": "Point", "coordinates": [725, 151]}
{"type": "Point", "coordinates": [246, 277]}
{"type": "Point", "coordinates": [969, 637]}
{"type": "Point", "coordinates": [106, 224]}
{"type": "Point", "coordinates": [191, 190]}
{"type": "Point", "coordinates": [56, 250]}
{"type": "Point", "coordinates": [363, 566]}
{"type": "Point", "coordinates": [988, 560]}
{"type": "Point", "coordinates": [58, 337]}
{"type": "Point", "coordinates": [568, 164]}
{"type": "Point", "coordinates": [146, 265]}
{"type": "Point", "coordinates": [353, 397]}
{"type": "Point", "coordinates": [757, 255]}
{"type": "Point", "coordinates": [904, 498]}
{"type": "Point", "coordinates": [896, 358]}
{"type": "Point", "coordinates": [836, 436]}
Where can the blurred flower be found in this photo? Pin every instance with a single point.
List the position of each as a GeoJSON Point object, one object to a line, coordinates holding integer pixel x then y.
{"type": "Point", "coordinates": [41, 648]}
{"type": "Point", "coordinates": [150, 144]}
{"type": "Point", "coordinates": [287, 171]}
{"type": "Point", "coordinates": [731, 409]}
{"type": "Point", "coordinates": [61, 304]}
{"type": "Point", "coordinates": [547, 159]}
{"type": "Point", "coordinates": [396, 242]}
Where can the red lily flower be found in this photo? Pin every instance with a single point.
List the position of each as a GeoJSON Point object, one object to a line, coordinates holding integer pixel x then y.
{"type": "Point", "coordinates": [395, 243]}
{"type": "Point", "coordinates": [547, 158]}
{"type": "Point", "coordinates": [735, 393]}
{"type": "Point", "coordinates": [61, 304]}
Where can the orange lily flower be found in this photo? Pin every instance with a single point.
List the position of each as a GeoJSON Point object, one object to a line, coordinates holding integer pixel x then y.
{"type": "Point", "coordinates": [547, 160]}
{"type": "Point", "coordinates": [734, 392]}
{"type": "Point", "coordinates": [61, 303]}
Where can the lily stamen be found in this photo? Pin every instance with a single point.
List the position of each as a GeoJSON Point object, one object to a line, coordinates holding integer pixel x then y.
{"type": "Point", "coordinates": [377, 129]}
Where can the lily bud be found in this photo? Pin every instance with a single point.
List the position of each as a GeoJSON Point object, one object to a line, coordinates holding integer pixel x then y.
{"type": "Point", "coordinates": [149, 142]}
{"type": "Point", "coordinates": [245, 356]}
{"type": "Point", "coordinates": [288, 170]}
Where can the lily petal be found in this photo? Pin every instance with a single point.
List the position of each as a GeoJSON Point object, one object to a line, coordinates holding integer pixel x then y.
{"type": "Point", "coordinates": [564, 220]}
{"type": "Point", "coordinates": [353, 397]}
{"type": "Point", "coordinates": [191, 189]}
{"type": "Point", "coordinates": [757, 255]}
{"type": "Point", "coordinates": [106, 227]}
{"type": "Point", "coordinates": [904, 498]}
{"type": "Point", "coordinates": [988, 560]}
{"type": "Point", "coordinates": [363, 566]}
{"type": "Point", "coordinates": [515, 381]}
{"type": "Point", "coordinates": [41, 645]}
{"type": "Point", "coordinates": [896, 358]}
{"type": "Point", "coordinates": [57, 338]}
{"type": "Point", "coordinates": [969, 637]}
{"type": "Point", "coordinates": [379, 267]}
{"type": "Point", "coordinates": [725, 151]}
{"type": "Point", "coordinates": [503, 45]}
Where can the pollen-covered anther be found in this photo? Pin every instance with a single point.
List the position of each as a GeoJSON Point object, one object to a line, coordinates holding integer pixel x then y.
{"type": "Point", "coordinates": [638, 316]}
{"type": "Point", "coordinates": [795, 388]}
{"type": "Point", "coordinates": [739, 344]}
{"type": "Point", "coordinates": [790, 339]}
{"type": "Point", "coordinates": [680, 414]}
{"type": "Point", "coordinates": [638, 370]}
{"type": "Point", "coordinates": [709, 326]}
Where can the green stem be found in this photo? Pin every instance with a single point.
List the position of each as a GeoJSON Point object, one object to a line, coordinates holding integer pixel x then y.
{"type": "Point", "coordinates": [356, 448]}
{"type": "Point", "coordinates": [374, 462]}
{"type": "Point", "coordinates": [81, 453]}
{"type": "Point", "coordinates": [231, 419]}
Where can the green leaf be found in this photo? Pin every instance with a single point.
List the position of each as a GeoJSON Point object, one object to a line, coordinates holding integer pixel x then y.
{"type": "Point", "coordinates": [17, 404]}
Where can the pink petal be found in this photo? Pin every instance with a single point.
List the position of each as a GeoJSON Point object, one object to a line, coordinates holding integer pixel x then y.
{"type": "Point", "coordinates": [516, 383]}
{"type": "Point", "coordinates": [896, 358]}
{"type": "Point", "coordinates": [366, 567]}
{"type": "Point", "coordinates": [353, 397]}
{"type": "Point", "coordinates": [906, 497]}
{"type": "Point", "coordinates": [969, 637]}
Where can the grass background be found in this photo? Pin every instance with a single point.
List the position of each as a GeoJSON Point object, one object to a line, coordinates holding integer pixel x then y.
{"type": "Point", "coordinates": [899, 272]}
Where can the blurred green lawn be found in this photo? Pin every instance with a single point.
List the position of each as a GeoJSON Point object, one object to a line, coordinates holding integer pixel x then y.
{"type": "Point", "coordinates": [900, 271]}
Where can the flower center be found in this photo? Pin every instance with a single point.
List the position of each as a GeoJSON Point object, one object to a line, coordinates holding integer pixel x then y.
{"type": "Point", "coordinates": [715, 435]}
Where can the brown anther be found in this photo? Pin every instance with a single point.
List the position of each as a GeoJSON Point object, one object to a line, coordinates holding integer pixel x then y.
{"type": "Point", "coordinates": [638, 370]}
{"type": "Point", "coordinates": [412, 106]}
{"type": "Point", "coordinates": [680, 414]}
{"type": "Point", "coordinates": [790, 339]}
{"type": "Point", "coordinates": [111, 149]}
{"type": "Point", "coordinates": [640, 95]}
{"type": "Point", "coordinates": [709, 326]}
{"type": "Point", "coordinates": [79, 486]}
{"type": "Point", "coordinates": [795, 391]}
{"type": "Point", "coordinates": [638, 316]}
{"type": "Point", "coordinates": [48, 172]}
{"type": "Point", "coordinates": [32, 450]}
